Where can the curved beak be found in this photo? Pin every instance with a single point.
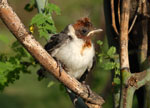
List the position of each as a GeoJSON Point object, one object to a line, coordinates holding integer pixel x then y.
{"type": "Point", "coordinates": [93, 32]}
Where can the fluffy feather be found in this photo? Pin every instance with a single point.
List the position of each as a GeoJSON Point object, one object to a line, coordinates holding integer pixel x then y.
{"type": "Point", "coordinates": [69, 53]}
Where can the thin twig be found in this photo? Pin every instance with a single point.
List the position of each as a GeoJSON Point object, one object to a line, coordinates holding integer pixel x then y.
{"type": "Point", "coordinates": [133, 22]}
{"type": "Point", "coordinates": [113, 17]}
{"type": "Point", "coordinates": [136, 15]}
{"type": "Point", "coordinates": [119, 11]}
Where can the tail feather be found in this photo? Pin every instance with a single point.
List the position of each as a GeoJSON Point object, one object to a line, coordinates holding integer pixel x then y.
{"type": "Point", "coordinates": [76, 100]}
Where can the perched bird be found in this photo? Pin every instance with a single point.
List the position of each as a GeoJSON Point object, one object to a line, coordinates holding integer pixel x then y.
{"type": "Point", "coordinates": [73, 48]}
{"type": "Point", "coordinates": [74, 51]}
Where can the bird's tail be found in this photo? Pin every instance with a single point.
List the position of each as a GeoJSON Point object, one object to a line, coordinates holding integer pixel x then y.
{"type": "Point", "coordinates": [76, 100]}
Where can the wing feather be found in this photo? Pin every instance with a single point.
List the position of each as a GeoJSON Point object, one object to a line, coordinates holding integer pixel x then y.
{"type": "Point", "coordinates": [56, 41]}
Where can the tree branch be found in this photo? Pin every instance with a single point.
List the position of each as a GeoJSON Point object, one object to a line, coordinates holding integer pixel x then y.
{"type": "Point", "coordinates": [124, 58]}
{"type": "Point", "coordinates": [15, 25]}
{"type": "Point", "coordinates": [113, 17]}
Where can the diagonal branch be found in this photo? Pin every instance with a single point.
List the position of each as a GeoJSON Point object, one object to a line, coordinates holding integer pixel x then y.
{"type": "Point", "coordinates": [15, 25]}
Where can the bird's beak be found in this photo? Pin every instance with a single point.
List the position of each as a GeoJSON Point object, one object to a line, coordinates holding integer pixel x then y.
{"type": "Point", "coordinates": [91, 33]}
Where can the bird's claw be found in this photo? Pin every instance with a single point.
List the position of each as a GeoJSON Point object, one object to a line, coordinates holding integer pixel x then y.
{"type": "Point", "coordinates": [59, 66]}
{"type": "Point", "coordinates": [88, 88]}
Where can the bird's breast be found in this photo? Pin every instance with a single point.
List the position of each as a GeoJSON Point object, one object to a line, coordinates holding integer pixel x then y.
{"type": "Point", "coordinates": [76, 55]}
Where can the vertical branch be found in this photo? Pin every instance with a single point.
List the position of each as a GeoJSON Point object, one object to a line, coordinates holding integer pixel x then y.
{"type": "Point", "coordinates": [124, 59]}
{"type": "Point", "coordinates": [143, 51]}
{"type": "Point", "coordinates": [126, 92]}
{"type": "Point", "coordinates": [41, 4]}
{"type": "Point", "coordinates": [119, 11]}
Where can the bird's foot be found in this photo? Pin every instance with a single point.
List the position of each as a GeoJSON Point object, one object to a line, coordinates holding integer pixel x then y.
{"type": "Point", "coordinates": [87, 87]}
{"type": "Point", "coordinates": [75, 100]}
{"type": "Point", "coordinates": [59, 66]}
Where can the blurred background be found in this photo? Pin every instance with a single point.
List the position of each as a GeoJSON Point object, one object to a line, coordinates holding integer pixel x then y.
{"type": "Point", "coordinates": [28, 92]}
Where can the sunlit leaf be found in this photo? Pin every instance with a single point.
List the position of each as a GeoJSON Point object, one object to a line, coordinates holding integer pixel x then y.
{"type": "Point", "coordinates": [99, 42]}
{"type": "Point", "coordinates": [111, 51]}
{"type": "Point", "coordinates": [50, 84]}
{"type": "Point", "coordinates": [117, 81]}
{"type": "Point", "coordinates": [109, 65]}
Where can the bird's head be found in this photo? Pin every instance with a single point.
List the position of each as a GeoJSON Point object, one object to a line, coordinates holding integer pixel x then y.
{"type": "Point", "coordinates": [84, 28]}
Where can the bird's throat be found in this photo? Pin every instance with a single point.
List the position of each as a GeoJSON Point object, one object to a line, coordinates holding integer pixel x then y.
{"type": "Point", "coordinates": [87, 44]}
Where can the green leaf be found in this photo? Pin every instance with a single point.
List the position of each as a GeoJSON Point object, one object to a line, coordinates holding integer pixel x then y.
{"type": "Point", "coordinates": [108, 65]}
{"type": "Point", "coordinates": [43, 33]}
{"type": "Point", "coordinates": [117, 81]}
{"type": "Point", "coordinates": [53, 8]}
{"type": "Point", "coordinates": [4, 66]}
{"type": "Point", "coordinates": [117, 72]}
{"type": "Point", "coordinates": [101, 57]}
{"type": "Point", "coordinates": [38, 19]}
{"type": "Point", "coordinates": [99, 42]}
{"type": "Point", "coordinates": [50, 84]}
{"type": "Point", "coordinates": [111, 51]}
{"type": "Point", "coordinates": [3, 79]}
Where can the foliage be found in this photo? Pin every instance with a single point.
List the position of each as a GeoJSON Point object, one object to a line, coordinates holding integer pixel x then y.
{"type": "Point", "coordinates": [11, 66]}
{"type": "Point", "coordinates": [44, 22]}
{"type": "Point", "coordinates": [30, 6]}
{"type": "Point", "coordinates": [107, 60]}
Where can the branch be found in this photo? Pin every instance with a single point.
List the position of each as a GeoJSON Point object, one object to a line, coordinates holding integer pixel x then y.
{"type": "Point", "coordinates": [126, 93]}
{"type": "Point", "coordinates": [15, 25]}
{"type": "Point", "coordinates": [124, 59]}
{"type": "Point", "coordinates": [113, 17]}
{"type": "Point", "coordinates": [119, 11]}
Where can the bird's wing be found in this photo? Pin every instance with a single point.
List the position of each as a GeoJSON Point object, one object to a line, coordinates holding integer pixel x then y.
{"type": "Point", "coordinates": [88, 70]}
{"type": "Point", "coordinates": [56, 41]}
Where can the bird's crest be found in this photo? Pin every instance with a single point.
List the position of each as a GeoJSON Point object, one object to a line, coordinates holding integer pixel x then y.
{"type": "Point", "coordinates": [83, 22]}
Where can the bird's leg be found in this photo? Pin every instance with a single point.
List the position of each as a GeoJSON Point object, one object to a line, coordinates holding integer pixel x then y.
{"type": "Point", "coordinates": [75, 100]}
{"type": "Point", "coordinates": [88, 88]}
{"type": "Point", "coordinates": [59, 66]}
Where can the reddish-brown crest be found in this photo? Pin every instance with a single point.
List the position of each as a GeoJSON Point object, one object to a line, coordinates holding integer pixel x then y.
{"type": "Point", "coordinates": [83, 22]}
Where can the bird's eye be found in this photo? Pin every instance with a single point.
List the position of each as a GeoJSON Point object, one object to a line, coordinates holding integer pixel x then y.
{"type": "Point", "coordinates": [84, 31]}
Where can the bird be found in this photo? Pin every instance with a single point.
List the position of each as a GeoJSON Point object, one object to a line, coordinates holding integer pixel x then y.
{"type": "Point", "coordinates": [74, 51]}
{"type": "Point", "coordinates": [73, 48]}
